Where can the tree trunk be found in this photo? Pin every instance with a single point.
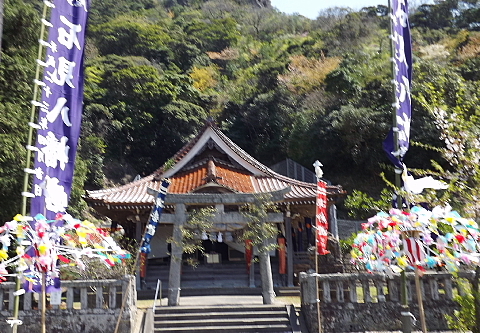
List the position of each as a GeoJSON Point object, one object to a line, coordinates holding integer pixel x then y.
{"type": "Point", "coordinates": [266, 275]}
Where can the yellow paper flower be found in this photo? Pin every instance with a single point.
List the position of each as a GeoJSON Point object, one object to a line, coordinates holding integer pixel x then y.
{"type": "Point", "coordinates": [450, 220]}
{"type": "Point", "coordinates": [88, 224]}
{"type": "Point", "coordinates": [42, 249]}
{"type": "Point", "coordinates": [3, 254]}
{"type": "Point", "coordinates": [402, 262]}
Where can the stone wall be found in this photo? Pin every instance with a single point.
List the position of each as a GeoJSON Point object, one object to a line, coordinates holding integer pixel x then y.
{"type": "Point", "coordinates": [87, 307]}
{"type": "Point", "coordinates": [367, 302]}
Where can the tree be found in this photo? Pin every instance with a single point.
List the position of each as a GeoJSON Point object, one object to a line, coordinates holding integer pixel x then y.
{"type": "Point", "coordinates": [215, 35]}
{"type": "Point", "coordinates": [134, 36]}
{"type": "Point", "coordinates": [20, 32]}
{"type": "Point", "coordinates": [261, 233]}
{"type": "Point", "coordinates": [198, 223]}
{"type": "Point", "coordinates": [131, 108]}
{"type": "Point", "coordinates": [306, 75]}
{"type": "Point", "coordinates": [262, 124]}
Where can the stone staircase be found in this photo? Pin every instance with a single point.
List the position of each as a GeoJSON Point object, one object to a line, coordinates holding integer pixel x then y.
{"type": "Point", "coordinates": [227, 277]}
{"type": "Point", "coordinates": [226, 318]}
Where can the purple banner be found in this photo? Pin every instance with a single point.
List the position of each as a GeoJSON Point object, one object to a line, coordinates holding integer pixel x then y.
{"type": "Point", "coordinates": [60, 110]}
{"type": "Point", "coordinates": [402, 60]}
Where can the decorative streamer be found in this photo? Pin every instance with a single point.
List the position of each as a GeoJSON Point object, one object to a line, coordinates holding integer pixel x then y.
{"type": "Point", "coordinates": [442, 239]}
{"type": "Point", "coordinates": [155, 217]}
{"type": "Point", "coordinates": [53, 247]}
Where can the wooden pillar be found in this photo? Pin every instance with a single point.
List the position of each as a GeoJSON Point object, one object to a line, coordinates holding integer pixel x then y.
{"type": "Point", "coordinates": [288, 236]}
{"type": "Point", "coordinates": [174, 278]}
{"type": "Point", "coordinates": [138, 230]}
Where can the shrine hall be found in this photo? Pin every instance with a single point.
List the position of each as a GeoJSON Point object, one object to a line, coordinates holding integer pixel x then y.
{"type": "Point", "coordinates": [212, 171]}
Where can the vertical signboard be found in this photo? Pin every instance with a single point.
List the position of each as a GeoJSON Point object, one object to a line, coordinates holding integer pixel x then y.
{"type": "Point", "coordinates": [402, 79]}
{"type": "Point", "coordinates": [60, 109]}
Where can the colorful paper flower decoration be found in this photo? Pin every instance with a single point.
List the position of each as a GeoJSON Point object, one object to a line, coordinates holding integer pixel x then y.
{"type": "Point", "coordinates": [399, 240]}
{"type": "Point", "coordinates": [43, 246]}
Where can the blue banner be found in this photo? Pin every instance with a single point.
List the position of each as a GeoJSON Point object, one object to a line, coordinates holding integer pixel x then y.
{"type": "Point", "coordinates": [154, 217]}
{"type": "Point", "coordinates": [60, 110]}
{"type": "Point", "coordinates": [402, 60]}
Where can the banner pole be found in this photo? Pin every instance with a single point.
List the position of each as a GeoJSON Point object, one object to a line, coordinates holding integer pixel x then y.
{"type": "Point", "coordinates": [16, 302]}
{"type": "Point", "coordinates": [33, 113]}
{"type": "Point", "coordinates": [44, 303]}
{"type": "Point", "coordinates": [396, 146]}
{"type": "Point", "coordinates": [405, 314]}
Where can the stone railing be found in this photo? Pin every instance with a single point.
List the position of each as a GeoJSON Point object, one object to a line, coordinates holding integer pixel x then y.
{"type": "Point", "coordinates": [86, 306]}
{"type": "Point", "coordinates": [367, 302]}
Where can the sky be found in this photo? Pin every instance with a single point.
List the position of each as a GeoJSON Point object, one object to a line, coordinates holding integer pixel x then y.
{"type": "Point", "coordinates": [310, 8]}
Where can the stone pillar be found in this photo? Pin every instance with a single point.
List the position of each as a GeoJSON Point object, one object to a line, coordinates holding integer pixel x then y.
{"type": "Point", "coordinates": [174, 277]}
{"type": "Point", "coordinates": [288, 236]}
{"type": "Point", "coordinates": [266, 274]}
{"type": "Point", "coordinates": [310, 303]}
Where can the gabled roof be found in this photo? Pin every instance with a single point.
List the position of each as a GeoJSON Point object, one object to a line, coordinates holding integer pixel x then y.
{"type": "Point", "coordinates": [209, 163]}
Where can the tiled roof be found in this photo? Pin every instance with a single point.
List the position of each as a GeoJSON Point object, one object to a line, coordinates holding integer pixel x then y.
{"type": "Point", "coordinates": [191, 177]}
{"type": "Point", "coordinates": [187, 181]}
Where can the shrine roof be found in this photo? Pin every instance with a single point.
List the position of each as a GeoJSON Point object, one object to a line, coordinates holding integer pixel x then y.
{"type": "Point", "coordinates": [210, 163]}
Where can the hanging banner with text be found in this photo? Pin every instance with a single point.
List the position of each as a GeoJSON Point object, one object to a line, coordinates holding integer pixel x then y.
{"type": "Point", "coordinates": [155, 217]}
{"type": "Point", "coordinates": [321, 219]}
{"type": "Point", "coordinates": [402, 64]}
{"type": "Point", "coordinates": [60, 110]}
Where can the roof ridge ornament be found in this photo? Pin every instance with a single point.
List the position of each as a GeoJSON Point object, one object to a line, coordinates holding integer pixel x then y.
{"type": "Point", "coordinates": [211, 171]}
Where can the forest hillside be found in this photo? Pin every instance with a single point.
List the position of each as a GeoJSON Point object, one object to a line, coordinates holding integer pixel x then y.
{"type": "Point", "coordinates": [280, 86]}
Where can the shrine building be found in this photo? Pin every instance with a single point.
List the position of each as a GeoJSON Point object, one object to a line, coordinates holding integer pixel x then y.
{"type": "Point", "coordinates": [212, 171]}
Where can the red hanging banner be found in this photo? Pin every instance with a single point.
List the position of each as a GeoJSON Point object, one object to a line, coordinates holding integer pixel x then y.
{"type": "Point", "coordinates": [248, 253]}
{"type": "Point", "coordinates": [282, 256]}
{"type": "Point", "coordinates": [321, 219]}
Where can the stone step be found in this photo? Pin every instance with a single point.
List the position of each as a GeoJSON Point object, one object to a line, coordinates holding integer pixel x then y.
{"type": "Point", "coordinates": [228, 329]}
{"type": "Point", "coordinates": [215, 315]}
{"type": "Point", "coordinates": [221, 322]}
{"type": "Point", "coordinates": [222, 318]}
{"type": "Point", "coordinates": [219, 308]}
{"type": "Point", "coordinates": [287, 291]}
{"type": "Point", "coordinates": [202, 291]}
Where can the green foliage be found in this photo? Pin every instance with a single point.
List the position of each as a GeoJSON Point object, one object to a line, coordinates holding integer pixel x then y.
{"type": "Point", "coordinates": [213, 35]}
{"type": "Point", "coordinates": [76, 205]}
{"type": "Point", "coordinates": [199, 221]}
{"type": "Point", "coordinates": [362, 206]}
{"type": "Point", "coordinates": [258, 230]}
{"type": "Point", "coordinates": [463, 320]}
{"type": "Point", "coordinates": [346, 245]}
{"type": "Point", "coordinates": [16, 74]}
{"type": "Point", "coordinates": [128, 36]}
